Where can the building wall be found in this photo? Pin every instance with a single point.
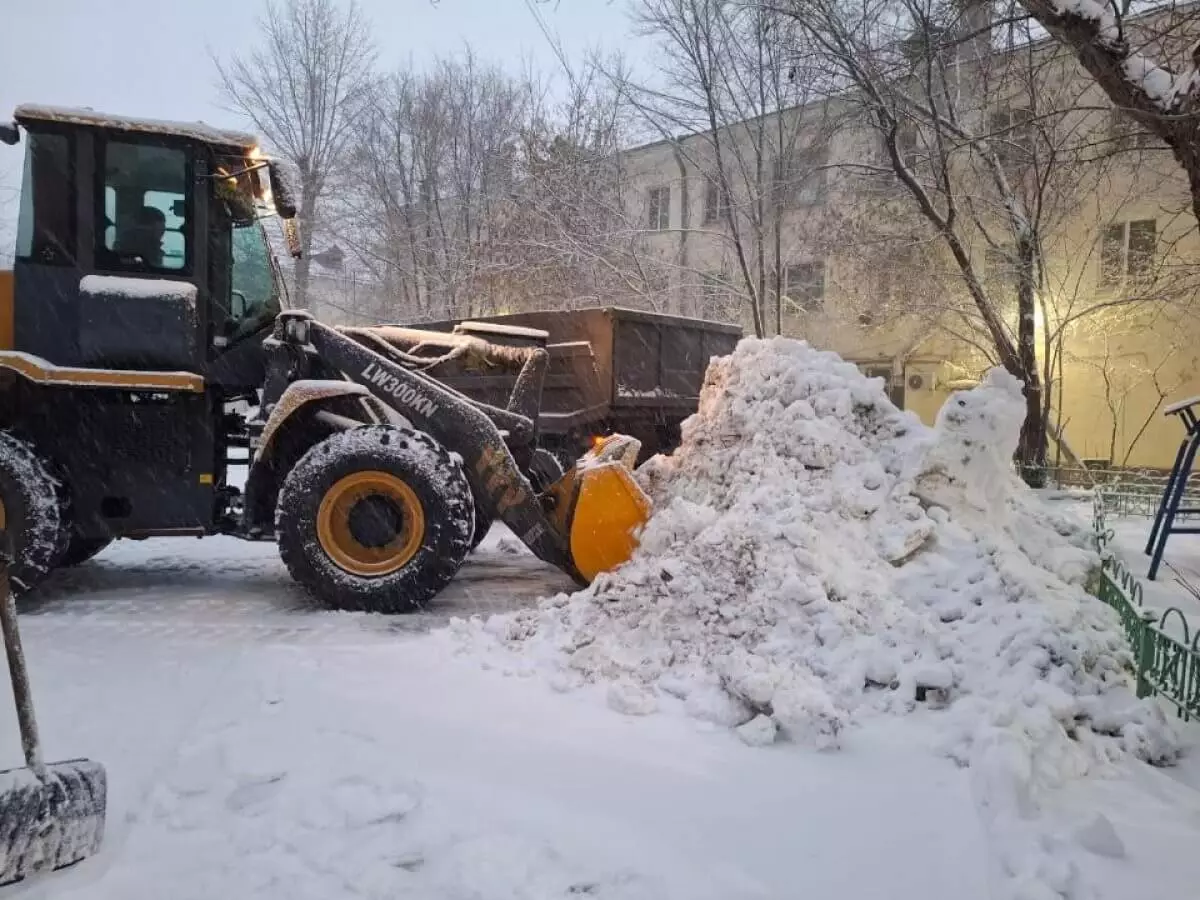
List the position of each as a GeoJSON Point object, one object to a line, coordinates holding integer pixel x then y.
{"type": "Point", "coordinates": [1120, 361]}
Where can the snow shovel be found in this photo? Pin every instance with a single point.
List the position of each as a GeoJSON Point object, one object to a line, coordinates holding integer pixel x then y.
{"type": "Point", "coordinates": [51, 816]}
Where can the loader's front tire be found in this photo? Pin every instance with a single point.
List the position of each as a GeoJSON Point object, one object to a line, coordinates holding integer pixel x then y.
{"type": "Point", "coordinates": [29, 513]}
{"type": "Point", "coordinates": [377, 519]}
{"type": "Point", "coordinates": [483, 524]}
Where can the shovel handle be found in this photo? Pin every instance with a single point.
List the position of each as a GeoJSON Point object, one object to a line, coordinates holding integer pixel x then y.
{"type": "Point", "coordinates": [19, 675]}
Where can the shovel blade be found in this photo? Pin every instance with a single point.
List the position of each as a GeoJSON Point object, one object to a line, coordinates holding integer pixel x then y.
{"type": "Point", "coordinates": [51, 823]}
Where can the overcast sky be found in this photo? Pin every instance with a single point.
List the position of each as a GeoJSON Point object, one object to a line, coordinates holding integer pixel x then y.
{"type": "Point", "coordinates": [151, 57]}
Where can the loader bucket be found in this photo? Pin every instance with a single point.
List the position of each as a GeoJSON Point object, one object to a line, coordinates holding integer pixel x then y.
{"type": "Point", "coordinates": [600, 508]}
{"type": "Point", "coordinates": [610, 510]}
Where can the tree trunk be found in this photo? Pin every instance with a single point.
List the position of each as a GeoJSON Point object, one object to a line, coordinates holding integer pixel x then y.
{"type": "Point", "coordinates": [683, 263]}
{"type": "Point", "coordinates": [1031, 450]}
{"type": "Point", "coordinates": [778, 270]}
{"type": "Point", "coordinates": [306, 215]}
{"type": "Point", "coordinates": [301, 298]}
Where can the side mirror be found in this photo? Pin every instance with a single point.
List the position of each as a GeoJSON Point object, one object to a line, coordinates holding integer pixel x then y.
{"type": "Point", "coordinates": [9, 134]}
{"type": "Point", "coordinates": [281, 190]}
{"type": "Point", "coordinates": [237, 305]}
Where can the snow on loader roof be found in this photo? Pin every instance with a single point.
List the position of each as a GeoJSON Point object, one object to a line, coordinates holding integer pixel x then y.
{"type": "Point", "coordinates": [84, 116]}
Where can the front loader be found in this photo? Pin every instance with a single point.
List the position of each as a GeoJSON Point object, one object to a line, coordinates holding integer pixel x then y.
{"type": "Point", "coordinates": [145, 342]}
{"type": "Point", "coordinates": [381, 512]}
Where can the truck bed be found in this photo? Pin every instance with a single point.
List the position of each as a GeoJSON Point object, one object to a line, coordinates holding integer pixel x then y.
{"type": "Point", "coordinates": [611, 369]}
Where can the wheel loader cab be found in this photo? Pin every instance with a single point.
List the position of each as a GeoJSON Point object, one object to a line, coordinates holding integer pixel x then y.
{"type": "Point", "coordinates": [138, 249]}
{"type": "Point", "coordinates": [142, 288]}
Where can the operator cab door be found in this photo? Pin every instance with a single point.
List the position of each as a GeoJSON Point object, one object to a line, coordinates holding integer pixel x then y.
{"type": "Point", "coordinates": [245, 301]}
{"type": "Point", "coordinates": [107, 256]}
{"type": "Point", "coordinates": [145, 308]}
{"type": "Point", "coordinates": [111, 278]}
{"type": "Point", "coordinates": [51, 253]}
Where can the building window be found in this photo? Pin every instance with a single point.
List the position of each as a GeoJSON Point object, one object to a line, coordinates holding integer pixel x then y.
{"type": "Point", "coordinates": [1012, 135]}
{"type": "Point", "coordinates": [908, 146]}
{"type": "Point", "coordinates": [998, 265]}
{"type": "Point", "coordinates": [1128, 134]}
{"type": "Point", "coordinates": [46, 222]}
{"type": "Point", "coordinates": [1127, 251]}
{"type": "Point", "coordinates": [894, 386]}
{"type": "Point", "coordinates": [804, 286]}
{"type": "Point", "coordinates": [658, 201]}
{"type": "Point", "coordinates": [800, 178]}
{"type": "Point", "coordinates": [713, 287]}
{"type": "Point", "coordinates": [145, 209]}
{"type": "Point", "coordinates": [999, 270]}
{"type": "Point", "coordinates": [716, 294]}
{"type": "Point", "coordinates": [716, 201]}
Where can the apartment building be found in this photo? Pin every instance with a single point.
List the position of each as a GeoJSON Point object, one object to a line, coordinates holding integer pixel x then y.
{"type": "Point", "coordinates": [804, 209]}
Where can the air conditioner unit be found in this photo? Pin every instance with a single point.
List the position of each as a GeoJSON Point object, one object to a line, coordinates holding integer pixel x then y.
{"type": "Point", "coordinates": [920, 380]}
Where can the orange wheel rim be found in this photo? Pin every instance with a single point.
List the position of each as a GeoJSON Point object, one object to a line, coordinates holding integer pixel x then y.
{"type": "Point", "coordinates": [370, 523]}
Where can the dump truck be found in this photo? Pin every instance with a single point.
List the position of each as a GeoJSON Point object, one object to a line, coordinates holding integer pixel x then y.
{"type": "Point", "coordinates": [144, 341]}
{"type": "Point", "coordinates": [611, 370]}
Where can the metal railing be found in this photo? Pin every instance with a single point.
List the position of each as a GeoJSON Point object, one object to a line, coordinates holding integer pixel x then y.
{"type": "Point", "coordinates": [1164, 665]}
{"type": "Point", "coordinates": [1128, 492]}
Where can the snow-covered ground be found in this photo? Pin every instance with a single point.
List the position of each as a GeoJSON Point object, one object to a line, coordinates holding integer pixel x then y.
{"type": "Point", "coordinates": [853, 657]}
{"type": "Point", "coordinates": [224, 586]}
{"type": "Point", "coordinates": [258, 748]}
{"type": "Point", "coordinates": [1178, 580]}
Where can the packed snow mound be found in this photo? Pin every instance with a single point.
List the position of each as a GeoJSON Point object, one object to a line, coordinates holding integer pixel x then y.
{"type": "Point", "coordinates": [817, 556]}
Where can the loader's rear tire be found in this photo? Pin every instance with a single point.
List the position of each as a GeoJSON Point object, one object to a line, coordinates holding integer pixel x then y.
{"type": "Point", "coordinates": [377, 519]}
{"type": "Point", "coordinates": [80, 550]}
{"type": "Point", "coordinates": [29, 513]}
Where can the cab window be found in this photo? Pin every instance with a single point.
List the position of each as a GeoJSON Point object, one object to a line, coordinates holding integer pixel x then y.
{"type": "Point", "coordinates": [46, 223]}
{"type": "Point", "coordinates": [145, 209]}
{"type": "Point", "coordinates": [253, 297]}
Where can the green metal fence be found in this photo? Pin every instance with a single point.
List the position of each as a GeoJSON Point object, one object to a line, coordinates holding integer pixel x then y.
{"type": "Point", "coordinates": [1163, 664]}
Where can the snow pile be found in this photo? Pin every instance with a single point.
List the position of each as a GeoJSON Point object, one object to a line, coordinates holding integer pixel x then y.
{"type": "Point", "coordinates": [817, 557]}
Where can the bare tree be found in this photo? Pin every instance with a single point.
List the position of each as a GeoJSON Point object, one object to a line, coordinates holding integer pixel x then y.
{"type": "Point", "coordinates": [433, 160]}
{"type": "Point", "coordinates": [572, 222]}
{"type": "Point", "coordinates": [997, 155]}
{"type": "Point", "coordinates": [472, 193]}
{"type": "Point", "coordinates": [1123, 375]}
{"type": "Point", "coordinates": [737, 117]}
{"type": "Point", "coordinates": [964, 147]}
{"type": "Point", "coordinates": [303, 90]}
{"type": "Point", "coordinates": [1146, 62]}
